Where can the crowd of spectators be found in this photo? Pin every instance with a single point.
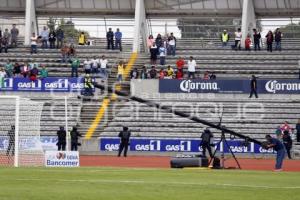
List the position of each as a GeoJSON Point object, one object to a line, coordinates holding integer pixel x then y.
{"type": "Point", "coordinates": [8, 38]}
{"type": "Point", "coordinates": [31, 70]}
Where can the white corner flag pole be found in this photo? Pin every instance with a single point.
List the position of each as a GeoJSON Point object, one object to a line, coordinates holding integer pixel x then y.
{"type": "Point", "coordinates": [16, 161]}
{"type": "Point", "coordinates": [66, 123]}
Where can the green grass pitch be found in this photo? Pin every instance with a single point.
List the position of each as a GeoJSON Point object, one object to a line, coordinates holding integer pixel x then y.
{"type": "Point", "coordinates": [145, 184]}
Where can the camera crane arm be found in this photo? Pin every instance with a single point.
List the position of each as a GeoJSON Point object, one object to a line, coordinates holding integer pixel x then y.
{"type": "Point", "coordinates": [176, 112]}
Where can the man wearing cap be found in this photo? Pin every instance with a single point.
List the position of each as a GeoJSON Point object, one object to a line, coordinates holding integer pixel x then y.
{"type": "Point", "coordinates": [224, 38]}
{"type": "Point", "coordinates": [124, 136]}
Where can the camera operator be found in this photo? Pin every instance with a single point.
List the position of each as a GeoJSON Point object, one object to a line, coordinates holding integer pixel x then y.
{"type": "Point", "coordinates": [206, 142]}
{"type": "Point", "coordinates": [74, 139]}
{"type": "Point", "coordinates": [125, 136]}
{"type": "Point", "coordinates": [279, 147]}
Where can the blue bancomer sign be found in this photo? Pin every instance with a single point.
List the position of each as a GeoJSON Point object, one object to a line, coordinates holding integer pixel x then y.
{"type": "Point", "coordinates": [229, 86]}
{"type": "Point", "coordinates": [177, 145]}
{"type": "Point", "coordinates": [43, 85]}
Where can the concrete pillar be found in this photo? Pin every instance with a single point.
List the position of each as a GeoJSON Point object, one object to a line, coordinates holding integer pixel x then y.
{"type": "Point", "coordinates": [140, 26]}
{"type": "Point", "coordinates": [30, 21]}
{"type": "Point", "coordinates": [248, 19]}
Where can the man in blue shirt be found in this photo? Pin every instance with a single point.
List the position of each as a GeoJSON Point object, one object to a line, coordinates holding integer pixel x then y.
{"type": "Point", "coordinates": [118, 37]}
{"type": "Point", "coordinates": [279, 147]}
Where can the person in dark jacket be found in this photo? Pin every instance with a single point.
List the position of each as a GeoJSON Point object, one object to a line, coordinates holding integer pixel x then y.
{"type": "Point", "coordinates": [298, 130]}
{"type": "Point", "coordinates": [158, 41]}
{"type": "Point", "coordinates": [110, 39]}
{"type": "Point", "coordinates": [253, 86]}
{"type": "Point", "coordinates": [134, 74]}
{"type": "Point", "coordinates": [288, 143]}
{"type": "Point", "coordinates": [11, 141]}
{"type": "Point", "coordinates": [206, 138]}
{"type": "Point", "coordinates": [279, 147]}
{"type": "Point", "coordinates": [61, 135]}
{"type": "Point", "coordinates": [256, 38]}
{"type": "Point", "coordinates": [153, 54]}
{"type": "Point", "coordinates": [270, 40]}
{"type": "Point", "coordinates": [153, 73]}
{"type": "Point", "coordinates": [278, 36]}
{"type": "Point", "coordinates": [74, 139]}
{"type": "Point", "coordinates": [125, 137]}
{"type": "Point", "coordinates": [60, 38]}
{"type": "Point", "coordinates": [52, 39]}
{"type": "Point", "coordinates": [144, 73]}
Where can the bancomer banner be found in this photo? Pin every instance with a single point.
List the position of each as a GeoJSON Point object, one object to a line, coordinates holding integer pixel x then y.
{"type": "Point", "coordinates": [177, 145]}
{"type": "Point", "coordinates": [43, 85]}
{"type": "Point", "coordinates": [229, 86]}
{"type": "Point", "coordinates": [62, 159]}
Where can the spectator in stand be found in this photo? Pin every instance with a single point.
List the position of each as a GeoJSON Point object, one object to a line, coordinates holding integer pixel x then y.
{"type": "Point", "coordinates": [121, 70]}
{"type": "Point", "coordinates": [256, 38]}
{"type": "Point", "coordinates": [72, 51]}
{"type": "Point", "coordinates": [134, 74]}
{"type": "Point", "coordinates": [206, 75]}
{"type": "Point", "coordinates": [110, 39]}
{"type": "Point", "coordinates": [82, 39]}
{"type": "Point", "coordinates": [288, 143]}
{"type": "Point", "coordinates": [238, 37]}
{"type": "Point", "coordinates": [212, 76]}
{"type": "Point", "coordinates": [2, 75]}
{"type": "Point", "coordinates": [75, 65]}
{"type": "Point", "coordinates": [5, 41]}
{"type": "Point", "coordinates": [95, 65]}
{"type": "Point", "coordinates": [33, 43]}
{"type": "Point", "coordinates": [179, 74]}
{"type": "Point", "coordinates": [14, 32]}
{"type": "Point", "coordinates": [162, 55]}
{"type": "Point", "coordinates": [150, 41]}
{"type": "Point", "coordinates": [248, 43]}
{"type": "Point", "coordinates": [179, 64]}
{"type": "Point", "coordinates": [33, 64]}
{"type": "Point", "coordinates": [169, 72]}
{"type": "Point", "coordinates": [64, 53]}
{"type": "Point", "coordinates": [153, 54]}
{"type": "Point", "coordinates": [87, 66]}
{"type": "Point", "coordinates": [103, 66]}
{"type": "Point", "coordinates": [253, 86]}
{"type": "Point", "coordinates": [278, 37]}
{"type": "Point", "coordinates": [158, 41]}
{"type": "Point", "coordinates": [52, 39]}
{"type": "Point", "coordinates": [172, 44]}
{"type": "Point", "coordinates": [270, 40]}
{"type": "Point", "coordinates": [224, 38]}
{"type": "Point", "coordinates": [118, 37]}
{"type": "Point", "coordinates": [9, 69]}
{"type": "Point", "coordinates": [162, 74]}
{"type": "Point", "coordinates": [43, 72]}
{"type": "Point", "coordinates": [153, 73]}
{"type": "Point", "coordinates": [0, 39]}
{"type": "Point", "coordinates": [60, 35]}
{"type": "Point", "coordinates": [144, 73]}
{"type": "Point", "coordinates": [34, 72]}
{"type": "Point", "coordinates": [298, 130]}
{"type": "Point", "coordinates": [45, 37]}
{"type": "Point", "coordinates": [17, 70]}
{"type": "Point", "coordinates": [278, 132]}
{"type": "Point", "coordinates": [25, 70]}
{"type": "Point", "coordinates": [286, 127]}
{"type": "Point", "coordinates": [191, 68]}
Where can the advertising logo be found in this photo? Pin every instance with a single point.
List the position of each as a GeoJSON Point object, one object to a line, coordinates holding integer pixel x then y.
{"type": "Point", "coordinates": [188, 86]}
{"type": "Point", "coordinates": [182, 146]}
{"type": "Point", "coordinates": [29, 85]}
{"type": "Point", "coordinates": [154, 145]}
{"type": "Point", "coordinates": [59, 85]}
{"type": "Point", "coordinates": [273, 86]}
{"type": "Point", "coordinates": [7, 84]}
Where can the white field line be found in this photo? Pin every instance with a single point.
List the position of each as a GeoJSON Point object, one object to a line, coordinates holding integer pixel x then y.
{"type": "Point", "coordinates": [156, 182]}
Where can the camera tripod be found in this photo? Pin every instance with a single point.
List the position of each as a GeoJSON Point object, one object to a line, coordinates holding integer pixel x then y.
{"type": "Point", "coordinates": [222, 142]}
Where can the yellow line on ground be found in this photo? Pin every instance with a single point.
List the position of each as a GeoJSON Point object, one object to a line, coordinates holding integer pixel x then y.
{"type": "Point", "coordinates": [106, 102]}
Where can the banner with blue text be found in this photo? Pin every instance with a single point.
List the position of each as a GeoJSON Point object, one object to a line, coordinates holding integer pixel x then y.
{"type": "Point", "coordinates": [178, 145]}
{"type": "Point", "coordinates": [43, 85]}
{"type": "Point", "coordinates": [229, 86]}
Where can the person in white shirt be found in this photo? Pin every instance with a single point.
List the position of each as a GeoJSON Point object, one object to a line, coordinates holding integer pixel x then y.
{"type": "Point", "coordinates": [162, 55]}
{"type": "Point", "coordinates": [103, 65]}
{"type": "Point", "coordinates": [95, 64]}
{"type": "Point", "coordinates": [2, 76]}
{"type": "Point", "coordinates": [33, 42]}
{"type": "Point", "coordinates": [87, 66]}
{"type": "Point", "coordinates": [238, 37]}
{"type": "Point", "coordinates": [45, 37]}
{"type": "Point", "coordinates": [191, 67]}
{"type": "Point", "coordinates": [172, 44]}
